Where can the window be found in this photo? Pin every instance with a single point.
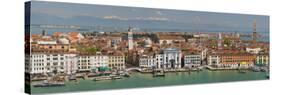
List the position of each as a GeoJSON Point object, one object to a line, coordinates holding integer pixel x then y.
{"type": "Point", "coordinates": [55, 63]}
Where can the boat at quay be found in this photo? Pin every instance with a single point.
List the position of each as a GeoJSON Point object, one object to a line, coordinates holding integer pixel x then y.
{"type": "Point", "coordinates": [49, 84]}
{"type": "Point", "coordinates": [138, 79]}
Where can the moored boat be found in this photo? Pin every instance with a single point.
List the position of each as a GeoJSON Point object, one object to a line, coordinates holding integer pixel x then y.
{"type": "Point", "coordinates": [102, 78]}
{"type": "Point", "coordinates": [158, 73]}
{"type": "Point", "coordinates": [49, 84]}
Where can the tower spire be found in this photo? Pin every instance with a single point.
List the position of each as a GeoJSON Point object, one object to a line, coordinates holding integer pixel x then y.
{"type": "Point", "coordinates": [220, 41]}
{"type": "Point", "coordinates": [255, 34]}
{"type": "Point", "coordinates": [130, 38]}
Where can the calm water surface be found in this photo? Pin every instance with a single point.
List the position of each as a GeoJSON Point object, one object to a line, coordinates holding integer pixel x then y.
{"type": "Point", "coordinates": [147, 80]}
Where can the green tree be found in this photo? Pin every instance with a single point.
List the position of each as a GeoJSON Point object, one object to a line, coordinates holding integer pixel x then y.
{"type": "Point", "coordinates": [227, 42]}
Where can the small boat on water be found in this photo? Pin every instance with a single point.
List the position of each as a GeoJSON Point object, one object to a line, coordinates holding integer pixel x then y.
{"type": "Point", "coordinates": [116, 77]}
{"type": "Point", "coordinates": [263, 70]}
{"type": "Point", "coordinates": [126, 75]}
{"type": "Point", "coordinates": [158, 73]}
{"type": "Point", "coordinates": [72, 78]}
{"type": "Point", "coordinates": [242, 71]}
{"type": "Point", "coordinates": [256, 69]}
{"type": "Point", "coordinates": [49, 84]}
{"type": "Point", "coordinates": [102, 78]}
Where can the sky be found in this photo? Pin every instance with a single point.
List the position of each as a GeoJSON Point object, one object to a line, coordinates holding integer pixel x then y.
{"type": "Point", "coordinates": [147, 18]}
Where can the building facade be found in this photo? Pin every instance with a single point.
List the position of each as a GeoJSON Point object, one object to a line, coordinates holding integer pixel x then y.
{"type": "Point", "coordinates": [116, 62]}
{"type": "Point", "coordinates": [35, 63]}
{"type": "Point", "coordinates": [99, 61]}
{"type": "Point", "coordinates": [172, 58]}
{"type": "Point", "coordinates": [159, 60]}
{"type": "Point", "coordinates": [53, 47]}
{"type": "Point", "coordinates": [130, 39]}
{"type": "Point", "coordinates": [84, 63]}
{"type": "Point", "coordinates": [262, 59]}
{"type": "Point", "coordinates": [253, 50]}
{"type": "Point", "coordinates": [213, 60]}
{"type": "Point", "coordinates": [237, 60]}
{"type": "Point", "coordinates": [71, 61]}
{"type": "Point", "coordinates": [147, 61]}
{"type": "Point", "coordinates": [43, 63]}
{"type": "Point", "coordinates": [192, 60]}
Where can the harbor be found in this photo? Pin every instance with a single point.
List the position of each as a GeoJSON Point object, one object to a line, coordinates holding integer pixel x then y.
{"type": "Point", "coordinates": [138, 79]}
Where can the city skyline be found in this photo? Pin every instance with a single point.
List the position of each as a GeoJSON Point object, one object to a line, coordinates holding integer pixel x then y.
{"type": "Point", "coordinates": [81, 47]}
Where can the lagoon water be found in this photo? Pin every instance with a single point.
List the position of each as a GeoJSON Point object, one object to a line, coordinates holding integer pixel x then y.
{"type": "Point", "coordinates": [147, 80]}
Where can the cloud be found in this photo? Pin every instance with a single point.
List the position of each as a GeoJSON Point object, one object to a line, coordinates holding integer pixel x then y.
{"type": "Point", "coordinates": [115, 17]}
{"type": "Point", "coordinates": [59, 12]}
{"type": "Point", "coordinates": [153, 18]}
{"type": "Point", "coordinates": [136, 18]}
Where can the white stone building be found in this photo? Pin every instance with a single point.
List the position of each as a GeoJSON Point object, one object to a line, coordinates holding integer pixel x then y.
{"type": "Point", "coordinates": [262, 59]}
{"type": "Point", "coordinates": [213, 60]}
{"type": "Point", "coordinates": [159, 60]}
{"type": "Point", "coordinates": [43, 63]}
{"type": "Point", "coordinates": [147, 61]}
{"type": "Point", "coordinates": [204, 54]}
{"type": "Point", "coordinates": [98, 61]}
{"type": "Point", "coordinates": [192, 60]}
{"type": "Point", "coordinates": [52, 42]}
{"type": "Point", "coordinates": [147, 43]}
{"type": "Point", "coordinates": [253, 50]}
{"type": "Point", "coordinates": [35, 63]}
{"type": "Point", "coordinates": [116, 60]}
{"type": "Point", "coordinates": [84, 63]}
{"type": "Point", "coordinates": [168, 58]}
{"type": "Point", "coordinates": [71, 61]}
{"type": "Point", "coordinates": [55, 63]}
{"type": "Point", "coordinates": [172, 58]}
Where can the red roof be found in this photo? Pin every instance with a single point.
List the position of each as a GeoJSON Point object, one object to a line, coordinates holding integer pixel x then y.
{"type": "Point", "coordinates": [57, 33]}
{"type": "Point", "coordinates": [73, 34]}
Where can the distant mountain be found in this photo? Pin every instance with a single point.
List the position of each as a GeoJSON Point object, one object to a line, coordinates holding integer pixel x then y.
{"type": "Point", "coordinates": [38, 18]}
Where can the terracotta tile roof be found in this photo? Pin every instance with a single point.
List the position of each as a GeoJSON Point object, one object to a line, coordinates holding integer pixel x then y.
{"type": "Point", "coordinates": [167, 37]}
{"type": "Point", "coordinates": [35, 35]}
{"type": "Point", "coordinates": [73, 33]}
{"type": "Point", "coordinates": [57, 33]}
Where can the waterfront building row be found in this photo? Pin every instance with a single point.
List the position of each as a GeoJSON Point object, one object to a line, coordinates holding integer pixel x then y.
{"type": "Point", "coordinates": [170, 58]}
{"type": "Point", "coordinates": [237, 60]}
{"type": "Point", "coordinates": [43, 63]}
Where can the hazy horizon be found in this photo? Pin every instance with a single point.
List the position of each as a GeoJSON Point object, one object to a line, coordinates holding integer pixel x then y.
{"type": "Point", "coordinates": [144, 18]}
